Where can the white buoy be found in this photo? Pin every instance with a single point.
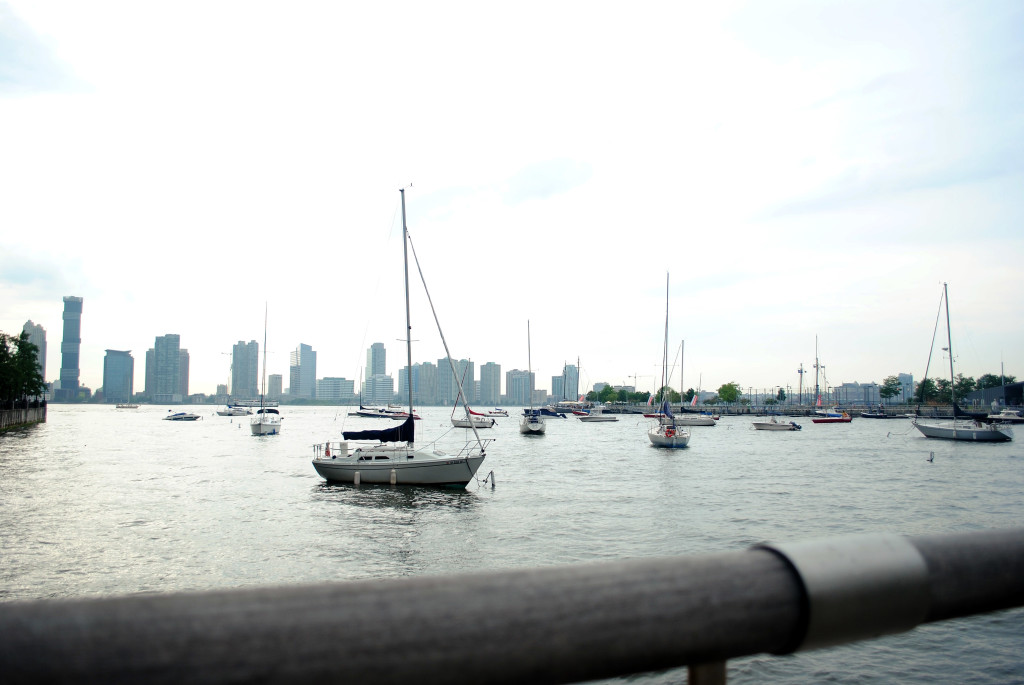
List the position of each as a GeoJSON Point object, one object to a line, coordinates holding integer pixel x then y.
{"type": "Point", "coordinates": [355, 479]}
{"type": "Point", "coordinates": [394, 477]}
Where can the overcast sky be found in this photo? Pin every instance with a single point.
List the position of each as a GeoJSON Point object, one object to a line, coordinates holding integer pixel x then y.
{"type": "Point", "coordinates": [800, 169]}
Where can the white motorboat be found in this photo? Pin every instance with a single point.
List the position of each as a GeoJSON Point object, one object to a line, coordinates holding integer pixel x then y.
{"type": "Point", "coordinates": [964, 426]}
{"type": "Point", "coordinates": [267, 421]}
{"type": "Point", "coordinates": [496, 412]}
{"type": "Point", "coordinates": [1007, 416]}
{"type": "Point", "coordinates": [391, 455]}
{"type": "Point", "coordinates": [666, 432]}
{"type": "Point", "coordinates": [127, 405]}
{"type": "Point", "coordinates": [533, 421]}
{"type": "Point", "coordinates": [694, 420]}
{"type": "Point", "coordinates": [182, 416]}
{"type": "Point", "coordinates": [774, 424]}
{"type": "Point", "coordinates": [596, 415]}
{"type": "Point", "coordinates": [234, 411]}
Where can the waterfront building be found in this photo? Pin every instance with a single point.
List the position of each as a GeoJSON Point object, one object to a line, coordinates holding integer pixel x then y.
{"type": "Point", "coordinates": [302, 372]}
{"type": "Point", "coordinates": [245, 370]}
{"type": "Point", "coordinates": [70, 349]}
{"type": "Point", "coordinates": [118, 376]}
{"type": "Point", "coordinates": [275, 386]}
{"type": "Point", "coordinates": [566, 386]}
{"type": "Point", "coordinates": [379, 389]}
{"type": "Point", "coordinates": [856, 393]}
{"type": "Point", "coordinates": [339, 389]}
{"type": "Point", "coordinates": [906, 387]}
{"type": "Point", "coordinates": [183, 373]}
{"type": "Point", "coordinates": [37, 336]}
{"type": "Point", "coordinates": [425, 391]}
{"type": "Point", "coordinates": [518, 386]}
{"type": "Point", "coordinates": [163, 370]}
{"type": "Point", "coordinates": [448, 386]}
{"type": "Point", "coordinates": [376, 360]}
{"type": "Point", "coordinates": [490, 384]}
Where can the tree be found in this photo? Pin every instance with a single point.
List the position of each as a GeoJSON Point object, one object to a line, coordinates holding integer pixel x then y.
{"type": "Point", "coordinates": [991, 380]}
{"type": "Point", "coordinates": [729, 392]}
{"type": "Point", "coordinates": [781, 397]}
{"type": "Point", "coordinates": [20, 376]}
{"type": "Point", "coordinates": [688, 395]}
{"type": "Point", "coordinates": [607, 394]}
{"type": "Point", "coordinates": [926, 391]}
{"type": "Point", "coordinates": [891, 387]}
{"type": "Point", "coordinates": [964, 385]}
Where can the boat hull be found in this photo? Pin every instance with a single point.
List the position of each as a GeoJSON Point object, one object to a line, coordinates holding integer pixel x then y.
{"type": "Point", "coordinates": [834, 419]}
{"type": "Point", "coordinates": [265, 427]}
{"type": "Point", "coordinates": [478, 421]}
{"type": "Point", "coordinates": [598, 418]}
{"type": "Point", "coordinates": [772, 426]}
{"type": "Point", "coordinates": [528, 427]}
{"type": "Point", "coordinates": [965, 432]}
{"type": "Point", "coordinates": [677, 440]}
{"type": "Point", "coordinates": [407, 467]}
{"type": "Point", "coordinates": [694, 421]}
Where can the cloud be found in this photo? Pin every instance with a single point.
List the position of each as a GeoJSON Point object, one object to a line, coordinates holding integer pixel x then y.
{"type": "Point", "coordinates": [26, 64]}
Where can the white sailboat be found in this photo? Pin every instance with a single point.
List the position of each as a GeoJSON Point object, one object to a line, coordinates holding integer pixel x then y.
{"type": "Point", "coordinates": [267, 420]}
{"type": "Point", "coordinates": [666, 432]}
{"type": "Point", "coordinates": [964, 426]}
{"type": "Point", "coordinates": [472, 419]}
{"type": "Point", "coordinates": [391, 455]}
{"type": "Point", "coordinates": [533, 422]}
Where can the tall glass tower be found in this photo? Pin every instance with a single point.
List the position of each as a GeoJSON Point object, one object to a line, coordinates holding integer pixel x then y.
{"type": "Point", "coordinates": [118, 376]}
{"type": "Point", "coordinates": [70, 349]}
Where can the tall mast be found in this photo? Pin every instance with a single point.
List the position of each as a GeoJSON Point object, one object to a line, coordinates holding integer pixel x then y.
{"type": "Point", "coordinates": [263, 390]}
{"type": "Point", "coordinates": [949, 341]}
{"type": "Point", "coordinates": [529, 366]}
{"type": "Point", "coordinates": [408, 320]}
{"type": "Point", "coordinates": [664, 353]}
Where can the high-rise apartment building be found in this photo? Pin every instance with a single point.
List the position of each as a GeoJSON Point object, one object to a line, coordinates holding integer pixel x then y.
{"type": "Point", "coordinates": [490, 384]}
{"type": "Point", "coordinates": [376, 360]}
{"type": "Point", "coordinates": [245, 361]}
{"type": "Point", "coordinates": [70, 349]}
{"type": "Point", "coordinates": [163, 370]}
{"type": "Point", "coordinates": [118, 376]}
{"type": "Point", "coordinates": [379, 389]}
{"type": "Point", "coordinates": [183, 373]}
{"type": "Point", "coordinates": [275, 386]}
{"type": "Point", "coordinates": [339, 389]}
{"type": "Point", "coordinates": [518, 386]}
{"type": "Point", "coordinates": [37, 336]}
{"type": "Point", "coordinates": [302, 372]}
{"type": "Point", "coordinates": [448, 386]}
{"type": "Point", "coordinates": [425, 383]}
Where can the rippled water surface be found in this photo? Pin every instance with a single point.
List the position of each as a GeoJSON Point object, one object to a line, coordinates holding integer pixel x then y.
{"type": "Point", "coordinates": [100, 501]}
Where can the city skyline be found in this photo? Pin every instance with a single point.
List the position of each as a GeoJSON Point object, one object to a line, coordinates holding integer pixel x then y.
{"type": "Point", "coordinates": [801, 170]}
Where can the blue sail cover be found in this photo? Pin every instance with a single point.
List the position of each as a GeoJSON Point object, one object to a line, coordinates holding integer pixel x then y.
{"type": "Point", "coordinates": [666, 410]}
{"type": "Point", "coordinates": [402, 433]}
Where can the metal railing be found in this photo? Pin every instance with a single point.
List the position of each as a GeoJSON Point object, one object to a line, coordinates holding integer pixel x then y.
{"type": "Point", "coordinates": [547, 625]}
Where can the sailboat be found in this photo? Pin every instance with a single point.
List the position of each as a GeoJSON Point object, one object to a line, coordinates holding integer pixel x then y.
{"type": "Point", "coordinates": [964, 426]}
{"type": "Point", "coordinates": [667, 433]}
{"type": "Point", "coordinates": [391, 455]}
{"type": "Point", "coordinates": [533, 421]}
{"type": "Point", "coordinates": [268, 419]}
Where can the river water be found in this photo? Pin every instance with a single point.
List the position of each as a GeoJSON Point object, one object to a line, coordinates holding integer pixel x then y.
{"type": "Point", "coordinates": [100, 501]}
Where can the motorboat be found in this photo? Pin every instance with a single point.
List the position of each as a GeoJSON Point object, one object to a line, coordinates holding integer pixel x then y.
{"type": "Point", "coordinates": [182, 416]}
{"type": "Point", "coordinates": [596, 415]}
{"type": "Point", "coordinates": [496, 412]}
{"type": "Point", "coordinates": [842, 417]}
{"type": "Point", "coordinates": [1007, 416]}
{"type": "Point", "coordinates": [127, 405]}
{"type": "Point", "coordinates": [391, 455]}
{"type": "Point", "coordinates": [473, 421]}
{"type": "Point", "coordinates": [267, 421]}
{"type": "Point", "coordinates": [234, 411]}
{"type": "Point", "coordinates": [774, 424]}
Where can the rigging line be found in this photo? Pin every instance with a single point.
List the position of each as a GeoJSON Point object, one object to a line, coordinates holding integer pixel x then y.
{"type": "Point", "coordinates": [444, 342]}
{"type": "Point", "coordinates": [931, 349]}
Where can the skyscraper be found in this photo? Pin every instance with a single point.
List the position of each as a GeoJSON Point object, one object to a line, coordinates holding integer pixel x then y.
{"type": "Point", "coordinates": [37, 336]}
{"type": "Point", "coordinates": [302, 372]}
{"type": "Point", "coordinates": [519, 386]}
{"type": "Point", "coordinates": [70, 349]}
{"type": "Point", "coordinates": [118, 376]}
{"type": "Point", "coordinates": [166, 370]}
{"type": "Point", "coordinates": [376, 360]}
{"type": "Point", "coordinates": [490, 383]}
{"type": "Point", "coordinates": [245, 359]}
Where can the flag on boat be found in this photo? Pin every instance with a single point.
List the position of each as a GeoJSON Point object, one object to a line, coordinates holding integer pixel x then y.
{"type": "Point", "coordinates": [693, 402]}
{"type": "Point", "coordinates": [650, 400]}
{"type": "Point", "coordinates": [818, 403]}
{"type": "Point", "coordinates": [581, 398]}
